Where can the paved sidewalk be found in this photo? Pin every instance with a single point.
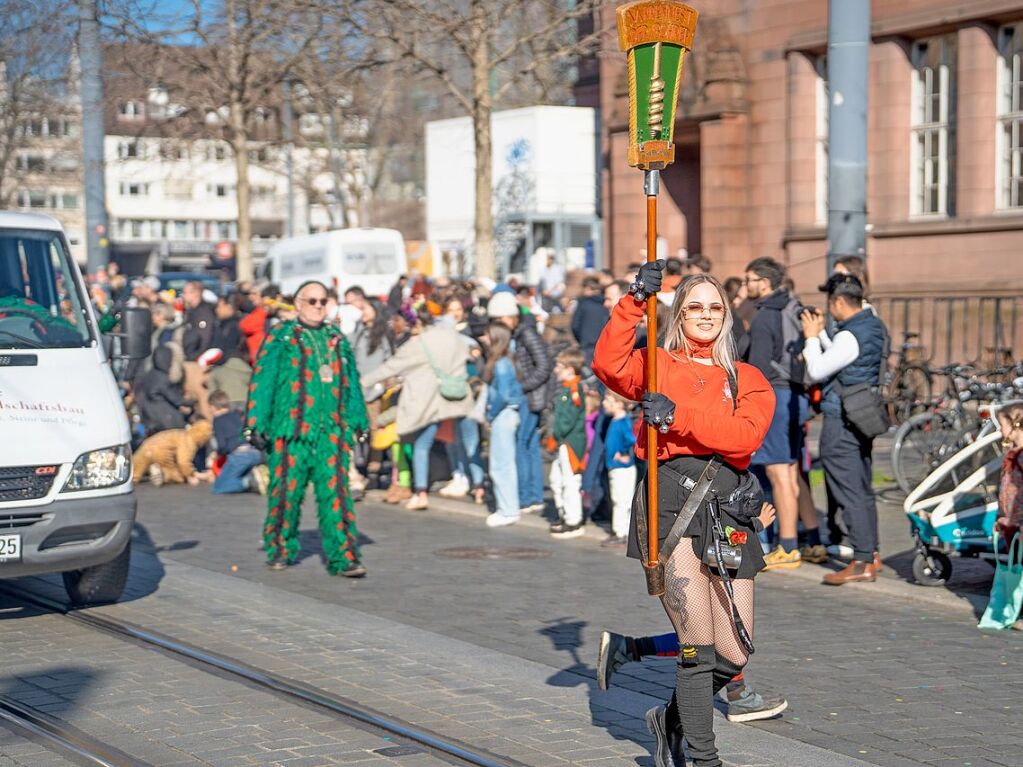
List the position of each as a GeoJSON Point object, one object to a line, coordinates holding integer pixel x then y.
{"type": "Point", "coordinates": [159, 709]}
{"type": "Point", "coordinates": [891, 680]}
{"type": "Point", "coordinates": [510, 706]}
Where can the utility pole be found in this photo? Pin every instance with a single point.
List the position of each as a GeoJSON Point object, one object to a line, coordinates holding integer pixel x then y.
{"type": "Point", "coordinates": [289, 160]}
{"type": "Point", "coordinates": [90, 52]}
{"type": "Point", "coordinates": [848, 80]}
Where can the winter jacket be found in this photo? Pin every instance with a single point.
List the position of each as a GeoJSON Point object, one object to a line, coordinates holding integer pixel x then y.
{"type": "Point", "coordinates": [569, 426]}
{"type": "Point", "coordinates": [253, 329]}
{"type": "Point", "coordinates": [232, 377]}
{"type": "Point", "coordinates": [157, 399]}
{"type": "Point", "coordinates": [534, 363]}
{"type": "Point", "coordinates": [588, 321]}
{"type": "Point", "coordinates": [365, 360]}
{"type": "Point", "coordinates": [200, 331]}
{"type": "Point", "coordinates": [420, 403]}
{"type": "Point", "coordinates": [765, 337]}
{"type": "Point", "coordinates": [228, 337]}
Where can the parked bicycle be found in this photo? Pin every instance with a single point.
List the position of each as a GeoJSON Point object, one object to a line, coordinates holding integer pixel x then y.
{"type": "Point", "coordinates": [956, 420]}
{"type": "Point", "coordinates": [909, 383]}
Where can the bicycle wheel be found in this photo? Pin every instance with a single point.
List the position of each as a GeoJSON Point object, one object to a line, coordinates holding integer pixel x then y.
{"type": "Point", "coordinates": [922, 444]}
{"type": "Point", "coordinates": [910, 392]}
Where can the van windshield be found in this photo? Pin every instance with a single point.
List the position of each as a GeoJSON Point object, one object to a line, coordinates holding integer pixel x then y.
{"type": "Point", "coordinates": [40, 303]}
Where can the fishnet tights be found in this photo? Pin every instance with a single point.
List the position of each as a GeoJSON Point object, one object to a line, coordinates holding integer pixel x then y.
{"type": "Point", "coordinates": [697, 605]}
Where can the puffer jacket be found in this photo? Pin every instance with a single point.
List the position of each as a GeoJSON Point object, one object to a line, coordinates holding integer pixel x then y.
{"type": "Point", "coordinates": [534, 363]}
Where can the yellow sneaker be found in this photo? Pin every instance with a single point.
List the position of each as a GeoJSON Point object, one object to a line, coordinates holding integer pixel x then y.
{"type": "Point", "coordinates": [779, 559]}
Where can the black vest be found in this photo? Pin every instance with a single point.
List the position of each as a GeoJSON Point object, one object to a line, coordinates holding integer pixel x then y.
{"type": "Point", "coordinates": [870, 334]}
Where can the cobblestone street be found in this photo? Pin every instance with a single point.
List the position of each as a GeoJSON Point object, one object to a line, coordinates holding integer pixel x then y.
{"type": "Point", "coordinates": [495, 652]}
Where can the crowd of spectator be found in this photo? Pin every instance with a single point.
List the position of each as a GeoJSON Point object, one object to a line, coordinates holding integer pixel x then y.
{"type": "Point", "coordinates": [474, 390]}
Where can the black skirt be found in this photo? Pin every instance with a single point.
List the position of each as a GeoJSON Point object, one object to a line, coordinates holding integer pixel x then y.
{"type": "Point", "coordinates": [739, 498]}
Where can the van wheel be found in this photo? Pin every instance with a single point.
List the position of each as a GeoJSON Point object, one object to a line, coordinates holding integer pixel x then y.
{"type": "Point", "coordinates": [99, 584]}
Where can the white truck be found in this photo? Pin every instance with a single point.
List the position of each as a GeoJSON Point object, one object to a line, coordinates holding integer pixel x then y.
{"type": "Point", "coordinates": [67, 503]}
{"type": "Point", "coordinates": [372, 259]}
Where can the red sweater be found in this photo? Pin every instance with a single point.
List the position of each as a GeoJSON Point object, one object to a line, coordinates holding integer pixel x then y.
{"type": "Point", "coordinates": [704, 422]}
{"type": "Point", "coordinates": [253, 327]}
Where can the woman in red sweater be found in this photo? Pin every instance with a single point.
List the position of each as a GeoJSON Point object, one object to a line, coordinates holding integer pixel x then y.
{"type": "Point", "coordinates": [710, 410]}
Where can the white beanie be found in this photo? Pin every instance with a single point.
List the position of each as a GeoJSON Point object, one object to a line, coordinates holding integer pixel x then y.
{"type": "Point", "coordinates": [502, 304]}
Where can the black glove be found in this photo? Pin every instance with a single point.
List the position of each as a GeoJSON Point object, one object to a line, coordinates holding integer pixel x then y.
{"type": "Point", "coordinates": [658, 410]}
{"type": "Point", "coordinates": [649, 277]}
{"type": "Point", "coordinates": [258, 440]}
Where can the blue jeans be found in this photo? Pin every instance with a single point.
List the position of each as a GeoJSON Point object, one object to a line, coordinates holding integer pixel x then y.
{"type": "Point", "coordinates": [464, 452]}
{"type": "Point", "coordinates": [528, 460]}
{"type": "Point", "coordinates": [233, 475]}
{"type": "Point", "coordinates": [503, 471]}
{"type": "Point", "coordinates": [421, 458]}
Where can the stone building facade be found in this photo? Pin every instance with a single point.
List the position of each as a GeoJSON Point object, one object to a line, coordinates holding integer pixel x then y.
{"type": "Point", "coordinates": [945, 161]}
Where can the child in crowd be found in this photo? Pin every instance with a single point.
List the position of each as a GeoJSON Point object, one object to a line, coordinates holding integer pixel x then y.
{"type": "Point", "coordinates": [504, 399]}
{"type": "Point", "coordinates": [569, 432]}
{"type": "Point", "coordinates": [620, 459]}
{"type": "Point", "coordinates": [242, 468]}
{"type": "Point", "coordinates": [167, 456]}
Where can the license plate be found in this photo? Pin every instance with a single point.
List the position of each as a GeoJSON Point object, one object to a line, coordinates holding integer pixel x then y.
{"type": "Point", "coordinates": [10, 548]}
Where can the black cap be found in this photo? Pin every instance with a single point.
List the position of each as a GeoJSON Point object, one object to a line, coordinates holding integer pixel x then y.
{"type": "Point", "coordinates": [840, 278]}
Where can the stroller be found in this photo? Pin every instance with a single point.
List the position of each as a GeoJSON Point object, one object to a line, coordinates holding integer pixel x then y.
{"type": "Point", "coordinates": [952, 512]}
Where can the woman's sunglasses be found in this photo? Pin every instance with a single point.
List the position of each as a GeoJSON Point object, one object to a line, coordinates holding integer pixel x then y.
{"type": "Point", "coordinates": [316, 301]}
{"type": "Point", "coordinates": [716, 311]}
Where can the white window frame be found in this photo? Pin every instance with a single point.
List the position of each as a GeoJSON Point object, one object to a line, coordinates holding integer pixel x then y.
{"type": "Point", "coordinates": [821, 140]}
{"type": "Point", "coordinates": [932, 142]}
{"type": "Point", "coordinates": [1009, 138]}
{"type": "Point", "coordinates": [134, 189]}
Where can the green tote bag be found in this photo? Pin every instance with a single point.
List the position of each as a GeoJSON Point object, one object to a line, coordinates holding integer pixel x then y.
{"type": "Point", "coordinates": [1006, 591]}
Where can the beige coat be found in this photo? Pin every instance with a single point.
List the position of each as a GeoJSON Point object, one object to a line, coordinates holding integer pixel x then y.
{"type": "Point", "coordinates": [420, 403]}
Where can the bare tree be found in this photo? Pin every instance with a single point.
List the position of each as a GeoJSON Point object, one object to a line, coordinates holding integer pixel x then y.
{"type": "Point", "coordinates": [35, 47]}
{"type": "Point", "coordinates": [486, 53]}
{"type": "Point", "coordinates": [238, 54]}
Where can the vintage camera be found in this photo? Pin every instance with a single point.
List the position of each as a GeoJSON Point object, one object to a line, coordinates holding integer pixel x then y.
{"type": "Point", "coordinates": [731, 556]}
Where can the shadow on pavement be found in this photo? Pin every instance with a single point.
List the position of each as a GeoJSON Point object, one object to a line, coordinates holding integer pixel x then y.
{"type": "Point", "coordinates": [566, 635]}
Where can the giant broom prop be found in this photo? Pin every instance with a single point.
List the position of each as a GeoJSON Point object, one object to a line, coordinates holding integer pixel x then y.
{"type": "Point", "coordinates": [656, 34]}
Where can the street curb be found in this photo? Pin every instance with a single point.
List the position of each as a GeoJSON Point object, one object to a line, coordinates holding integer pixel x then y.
{"type": "Point", "coordinates": [883, 586]}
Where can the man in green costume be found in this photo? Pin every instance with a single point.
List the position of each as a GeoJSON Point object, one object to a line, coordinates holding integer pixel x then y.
{"type": "Point", "coordinates": [305, 409]}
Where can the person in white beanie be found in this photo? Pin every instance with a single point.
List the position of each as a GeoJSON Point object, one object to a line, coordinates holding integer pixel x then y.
{"type": "Point", "coordinates": [534, 365]}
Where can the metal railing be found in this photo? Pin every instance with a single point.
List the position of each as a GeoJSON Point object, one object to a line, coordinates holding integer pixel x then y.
{"type": "Point", "coordinates": [981, 330]}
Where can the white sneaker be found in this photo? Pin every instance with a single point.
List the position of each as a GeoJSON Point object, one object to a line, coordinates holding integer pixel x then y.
{"type": "Point", "coordinates": [155, 475]}
{"type": "Point", "coordinates": [534, 509]}
{"type": "Point", "coordinates": [841, 551]}
{"type": "Point", "coordinates": [500, 520]}
{"type": "Point", "coordinates": [456, 488]}
{"type": "Point", "coordinates": [418, 502]}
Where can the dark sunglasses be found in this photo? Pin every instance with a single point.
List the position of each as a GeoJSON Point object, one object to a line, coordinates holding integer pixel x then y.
{"type": "Point", "coordinates": [316, 301]}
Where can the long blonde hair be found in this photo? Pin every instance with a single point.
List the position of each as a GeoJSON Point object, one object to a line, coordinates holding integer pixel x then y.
{"type": "Point", "coordinates": [675, 339]}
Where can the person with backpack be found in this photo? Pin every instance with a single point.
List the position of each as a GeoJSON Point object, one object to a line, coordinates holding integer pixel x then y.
{"type": "Point", "coordinates": [775, 348]}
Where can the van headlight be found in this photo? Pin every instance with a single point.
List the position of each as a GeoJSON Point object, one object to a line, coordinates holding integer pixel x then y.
{"type": "Point", "coordinates": [100, 468]}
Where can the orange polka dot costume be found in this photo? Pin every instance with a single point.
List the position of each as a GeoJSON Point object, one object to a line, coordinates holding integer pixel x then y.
{"type": "Point", "coordinates": [305, 398]}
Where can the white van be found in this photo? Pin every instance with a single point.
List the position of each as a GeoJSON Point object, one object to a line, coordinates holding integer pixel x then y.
{"type": "Point", "coordinates": [372, 259]}
{"type": "Point", "coordinates": [67, 503]}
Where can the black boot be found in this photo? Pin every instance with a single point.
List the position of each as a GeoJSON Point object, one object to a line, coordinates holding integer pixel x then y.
{"type": "Point", "coordinates": [663, 724]}
{"type": "Point", "coordinates": [695, 693]}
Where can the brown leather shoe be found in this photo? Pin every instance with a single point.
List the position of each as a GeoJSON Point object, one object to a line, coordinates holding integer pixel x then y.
{"type": "Point", "coordinates": [396, 494]}
{"type": "Point", "coordinates": [855, 572]}
{"type": "Point", "coordinates": [878, 564]}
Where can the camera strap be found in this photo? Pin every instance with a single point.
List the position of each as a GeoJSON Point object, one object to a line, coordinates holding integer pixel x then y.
{"type": "Point", "coordinates": [726, 579]}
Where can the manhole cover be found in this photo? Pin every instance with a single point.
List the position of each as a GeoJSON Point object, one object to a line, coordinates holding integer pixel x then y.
{"type": "Point", "coordinates": [491, 552]}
